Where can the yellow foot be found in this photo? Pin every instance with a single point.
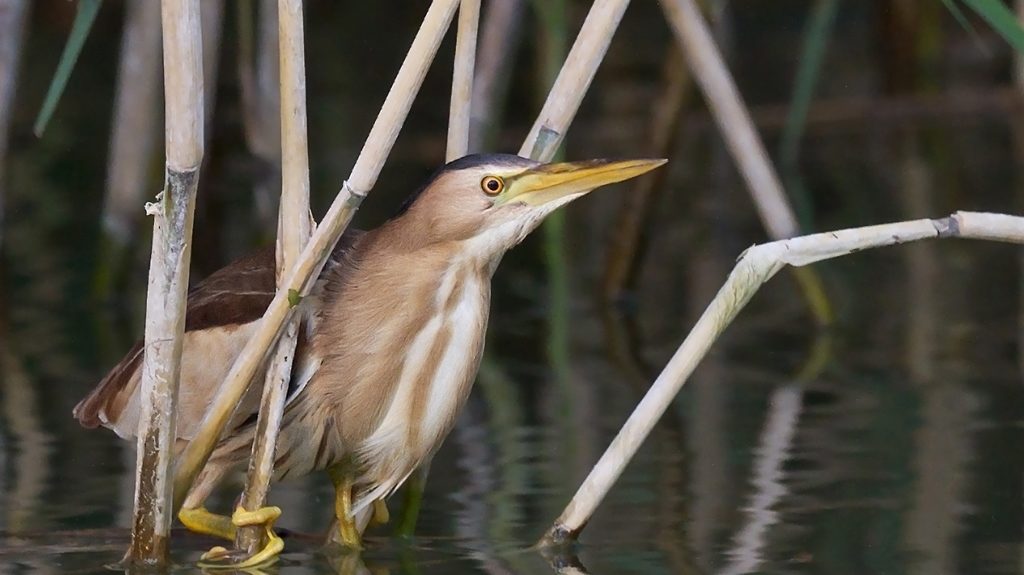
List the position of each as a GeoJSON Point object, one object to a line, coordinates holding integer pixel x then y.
{"type": "Point", "coordinates": [381, 515]}
{"type": "Point", "coordinates": [265, 516]}
{"type": "Point", "coordinates": [219, 557]}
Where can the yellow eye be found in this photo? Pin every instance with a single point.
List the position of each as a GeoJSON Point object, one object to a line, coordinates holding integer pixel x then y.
{"type": "Point", "coordinates": [492, 185]}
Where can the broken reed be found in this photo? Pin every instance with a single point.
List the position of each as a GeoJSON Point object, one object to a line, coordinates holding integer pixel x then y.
{"type": "Point", "coordinates": [755, 266]}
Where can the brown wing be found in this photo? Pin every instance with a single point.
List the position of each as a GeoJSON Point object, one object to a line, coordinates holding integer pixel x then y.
{"type": "Point", "coordinates": [220, 314]}
{"type": "Point", "coordinates": [234, 295]}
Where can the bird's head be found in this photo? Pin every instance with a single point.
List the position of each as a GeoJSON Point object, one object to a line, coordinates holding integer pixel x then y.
{"type": "Point", "coordinates": [492, 201]}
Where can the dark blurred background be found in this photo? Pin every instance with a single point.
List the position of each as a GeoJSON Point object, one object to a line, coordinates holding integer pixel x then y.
{"type": "Point", "coordinates": [885, 443]}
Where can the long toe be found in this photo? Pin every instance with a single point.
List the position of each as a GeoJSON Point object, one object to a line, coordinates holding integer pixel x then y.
{"type": "Point", "coordinates": [265, 516]}
{"type": "Point", "coordinates": [220, 558]}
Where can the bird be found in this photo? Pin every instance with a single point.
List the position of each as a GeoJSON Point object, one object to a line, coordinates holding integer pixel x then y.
{"type": "Point", "coordinates": [391, 339]}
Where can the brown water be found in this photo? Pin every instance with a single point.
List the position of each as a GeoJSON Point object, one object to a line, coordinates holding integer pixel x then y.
{"type": "Point", "coordinates": [887, 444]}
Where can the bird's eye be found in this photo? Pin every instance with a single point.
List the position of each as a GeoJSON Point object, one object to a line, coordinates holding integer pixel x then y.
{"type": "Point", "coordinates": [492, 185]}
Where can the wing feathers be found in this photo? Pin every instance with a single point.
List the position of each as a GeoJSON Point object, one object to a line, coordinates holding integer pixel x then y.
{"type": "Point", "coordinates": [232, 297]}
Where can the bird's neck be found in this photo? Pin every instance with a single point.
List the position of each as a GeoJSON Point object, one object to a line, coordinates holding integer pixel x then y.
{"type": "Point", "coordinates": [405, 334]}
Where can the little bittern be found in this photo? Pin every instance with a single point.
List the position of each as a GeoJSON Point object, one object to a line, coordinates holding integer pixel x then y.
{"type": "Point", "coordinates": [390, 345]}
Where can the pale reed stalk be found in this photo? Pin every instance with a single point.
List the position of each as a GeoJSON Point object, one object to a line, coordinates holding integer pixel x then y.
{"type": "Point", "coordinates": [731, 114]}
{"type": "Point", "coordinates": [293, 231]}
{"type": "Point", "coordinates": [462, 80]}
{"type": "Point", "coordinates": [168, 280]}
{"type": "Point", "coordinates": [741, 137]}
{"type": "Point", "coordinates": [755, 267]}
{"type": "Point", "coordinates": [573, 80]}
{"type": "Point", "coordinates": [364, 174]}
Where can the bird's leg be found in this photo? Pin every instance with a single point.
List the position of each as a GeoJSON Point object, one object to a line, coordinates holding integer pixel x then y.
{"type": "Point", "coordinates": [343, 477]}
{"type": "Point", "coordinates": [381, 515]}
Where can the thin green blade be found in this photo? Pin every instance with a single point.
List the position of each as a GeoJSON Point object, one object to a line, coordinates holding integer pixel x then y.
{"type": "Point", "coordinates": [1002, 19]}
{"type": "Point", "coordinates": [84, 18]}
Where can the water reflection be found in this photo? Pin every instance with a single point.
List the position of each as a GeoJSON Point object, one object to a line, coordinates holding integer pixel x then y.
{"type": "Point", "coordinates": [30, 445]}
{"type": "Point", "coordinates": [774, 449]}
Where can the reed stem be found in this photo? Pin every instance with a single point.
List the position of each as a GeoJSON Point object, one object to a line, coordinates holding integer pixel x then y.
{"type": "Point", "coordinates": [729, 111]}
{"type": "Point", "coordinates": [168, 280]}
{"type": "Point", "coordinates": [293, 231]}
{"type": "Point", "coordinates": [755, 267]}
{"type": "Point", "coordinates": [727, 107]}
{"type": "Point", "coordinates": [572, 82]}
{"type": "Point", "coordinates": [462, 80]}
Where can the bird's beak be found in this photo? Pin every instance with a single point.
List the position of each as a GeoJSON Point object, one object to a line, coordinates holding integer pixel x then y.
{"type": "Point", "coordinates": [549, 182]}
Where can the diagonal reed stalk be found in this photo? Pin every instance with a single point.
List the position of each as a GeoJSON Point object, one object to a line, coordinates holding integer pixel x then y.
{"type": "Point", "coordinates": [755, 267]}
{"type": "Point", "coordinates": [460, 112]}
{"type": "Point", "coordinates": [729, 111]}
{"type": "Point", "coordinates": [293, 229]}
{"type": "Point", "coordinates": [302, 275]}
{"type": "Point", "coordinates": [727, 106]}
{"type": "Point", "coordinates": [572, 82]}
{"type": "Point", "coordinates": [168, 280]}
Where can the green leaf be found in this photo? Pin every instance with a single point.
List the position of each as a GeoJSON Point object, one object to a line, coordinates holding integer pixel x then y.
{"type": "Point", "coordinates": [293, 298]}
{"type": "Point", "coordinates": [84, 18]}
{"type": "Point", "coordinates": [1002, 19]}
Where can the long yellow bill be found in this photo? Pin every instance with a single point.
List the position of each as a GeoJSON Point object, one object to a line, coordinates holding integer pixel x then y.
{"type": "Point", "coordinates": [550, 182]}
